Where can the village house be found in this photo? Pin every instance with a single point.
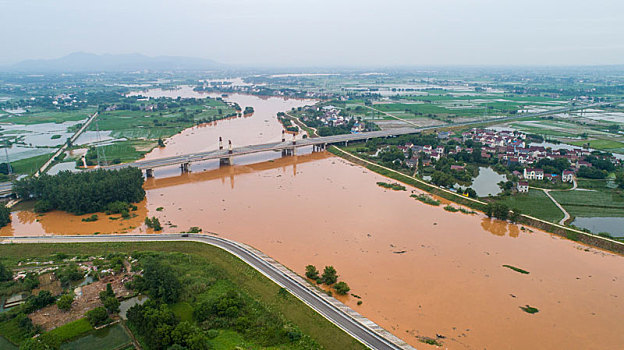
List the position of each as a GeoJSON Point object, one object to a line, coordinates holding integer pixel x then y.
{"type": "Point", "coordinates": [533, 174]}
{"type": "Point", "coordinates": [523, 186]}
{"type": "Point", "coordinates": [458, 167]}
{"type": "Point", "coordinates": [567, 176]}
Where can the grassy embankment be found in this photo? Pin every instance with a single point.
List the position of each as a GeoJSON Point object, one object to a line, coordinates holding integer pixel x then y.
{"type": "Point", "coordinates": [198, 262]}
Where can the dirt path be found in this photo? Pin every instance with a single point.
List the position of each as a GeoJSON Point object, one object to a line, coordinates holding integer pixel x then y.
{"type": "Point", "coordinates": [566, 215]}
{"type": "Point", "coordinates": [302, 125]}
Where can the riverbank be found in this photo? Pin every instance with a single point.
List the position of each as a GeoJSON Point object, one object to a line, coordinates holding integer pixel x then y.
{"type": "Point", "coordinates": [566, 232]}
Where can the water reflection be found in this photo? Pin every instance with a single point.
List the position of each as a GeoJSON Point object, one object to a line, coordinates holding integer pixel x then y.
{"type": "Point", "coordinates": [500, 228]}
{"type": "Point", "coordinates": [227, 174]}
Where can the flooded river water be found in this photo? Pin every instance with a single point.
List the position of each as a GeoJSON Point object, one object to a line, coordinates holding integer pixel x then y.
{"type": "Point", "coordinates": [419, 269]}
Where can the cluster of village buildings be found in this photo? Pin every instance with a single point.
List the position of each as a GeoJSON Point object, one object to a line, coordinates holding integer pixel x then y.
{"type": "Point", "coordinates": [508, 147]}
{"type": "Point", "coordinates": [330, 116]}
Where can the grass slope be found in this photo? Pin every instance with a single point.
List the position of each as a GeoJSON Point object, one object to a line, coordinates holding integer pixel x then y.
{"type": "Point", "coordinates": [237, 272]}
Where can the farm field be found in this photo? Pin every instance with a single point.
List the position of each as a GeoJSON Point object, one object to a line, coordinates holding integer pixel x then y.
{"type": "Point", "coordinates": [591, 203]}
{"type": "Point", "coordinates": [535, 203]}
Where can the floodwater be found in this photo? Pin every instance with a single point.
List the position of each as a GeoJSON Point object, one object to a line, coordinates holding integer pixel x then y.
{"type": "Point", "coordinates": [419, 269]}
{"type": "Point", "coordinates": [611, 225]}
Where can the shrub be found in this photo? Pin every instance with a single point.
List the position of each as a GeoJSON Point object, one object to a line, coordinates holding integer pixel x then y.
{"type": "Point", "coordinates": [65, 302]}
{"type": "Point", "coordinates": [342, 288]}
{"type": "Point", "coordinates": [91, 218]}
{"type": "Point", "coordinates": [5, 274]}
{"type": "Point", "coordinates": [529, 309]}
{"type": "Point", "coordinates": [98, 316]}
{"type": "Point", "coordinates": [43, 206]}
{"type": "Point", "coordinates": [426, 199]}
{"type": "Point", "coordinates": [451, 208]}
{"type": "Point", "coordinates": [5, 215]}
{"type": "Point", "coordinates": [153, 223]}
{"type": "Point", "coordinates": [329, 275]}
{"type": "Point", "coordinates": [312, 272]}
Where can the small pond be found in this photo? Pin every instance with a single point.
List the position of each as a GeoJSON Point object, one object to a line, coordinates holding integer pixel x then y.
{"type": "Point", "coordinates": [486, 183]}
{"type": "Point", "coordinates": [612, 225]}
{"type": "Point", "coordinates": [125, 305]}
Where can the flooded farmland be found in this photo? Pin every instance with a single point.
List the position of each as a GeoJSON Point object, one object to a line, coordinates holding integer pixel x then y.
{"type": "Point", "coordinates": [419, 270]}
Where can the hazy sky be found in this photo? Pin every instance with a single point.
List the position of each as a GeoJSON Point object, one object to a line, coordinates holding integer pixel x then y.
{"type": "Point", "coordinates": [321, 32]}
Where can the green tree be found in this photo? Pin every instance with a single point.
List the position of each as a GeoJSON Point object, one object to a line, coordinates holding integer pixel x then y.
{"type": "Point", "coordinates": [111, 304]}
{"type": "Point", "coordinates": [65, 302]}
{"type": "Point", "coordinates": [329, 275]}
{"type": "Point", "coordinates": [5, 215]}
{"type": "Point", "coordinates": [108, 293]}
{"type": "Point", "coordinates": [160, 281]}
{"type": "Point", "coordinates": [312, 272]}
{"type": "Point", "coordinates": [515, 215]}
{"type": "Point", "coordinates": [619, 179]}
{"type": "Point", "coordinates": [98, 316]}
{"type": "Point", "coordinates": [36, 302]}
{"type": "Point", "coordinates": [5, 274]}
{"type": "Point", "coordinates": [497, 210]}
{"type": "Point", "coordinates": [69, 273]}
{"type": "Point", "coordinates": [342, 288]}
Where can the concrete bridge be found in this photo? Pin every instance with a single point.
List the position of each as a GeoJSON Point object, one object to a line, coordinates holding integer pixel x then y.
{"type": "Point", "coordinates": [225, 155]}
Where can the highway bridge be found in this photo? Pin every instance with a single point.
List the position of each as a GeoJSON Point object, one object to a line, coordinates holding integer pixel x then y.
{"type": "Point", "coordinates": [319, 143]}
{"type": "Point", "coordinates": [361, 328]}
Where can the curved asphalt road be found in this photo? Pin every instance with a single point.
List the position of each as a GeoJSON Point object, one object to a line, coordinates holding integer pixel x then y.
{"type": "Point", "coordinates": [336, 316]}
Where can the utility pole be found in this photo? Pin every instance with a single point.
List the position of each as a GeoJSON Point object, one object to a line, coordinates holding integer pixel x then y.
{"type": "Point", "coordinates": [101, 156]}
{"type": "Point", "coordinates": [6, 153]}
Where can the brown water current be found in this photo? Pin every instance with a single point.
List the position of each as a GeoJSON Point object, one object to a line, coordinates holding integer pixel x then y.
{"type": "Point", "coordinates": [419, 270]}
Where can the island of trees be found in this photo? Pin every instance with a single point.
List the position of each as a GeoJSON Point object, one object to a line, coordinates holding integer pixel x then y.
{"type": "Point", "coordinates": [85, 192]}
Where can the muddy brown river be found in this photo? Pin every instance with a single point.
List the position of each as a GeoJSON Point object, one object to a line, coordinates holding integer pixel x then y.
{"type": "Point", "coordinates": [420, 271]}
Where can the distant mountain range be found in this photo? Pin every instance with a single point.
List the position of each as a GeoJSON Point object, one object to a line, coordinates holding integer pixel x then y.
{"type": "Point", "coordinates": [88, 62]}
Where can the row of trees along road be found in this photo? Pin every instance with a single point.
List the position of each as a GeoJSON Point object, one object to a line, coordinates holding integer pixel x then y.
{"type": "Point", "coordinates": [329, 277]}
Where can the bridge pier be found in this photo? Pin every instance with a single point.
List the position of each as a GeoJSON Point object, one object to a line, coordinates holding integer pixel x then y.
{"type": "Point", "coordinates": [226, 160]}
{"type": "Point", "coordinates": [185, 167]}
{"type": "Point", "coordinates": [288, 152]}
{"type": "Point", "coordinates": [319, 148]}
{"type": "Point", "coordinates": [149, 172]}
